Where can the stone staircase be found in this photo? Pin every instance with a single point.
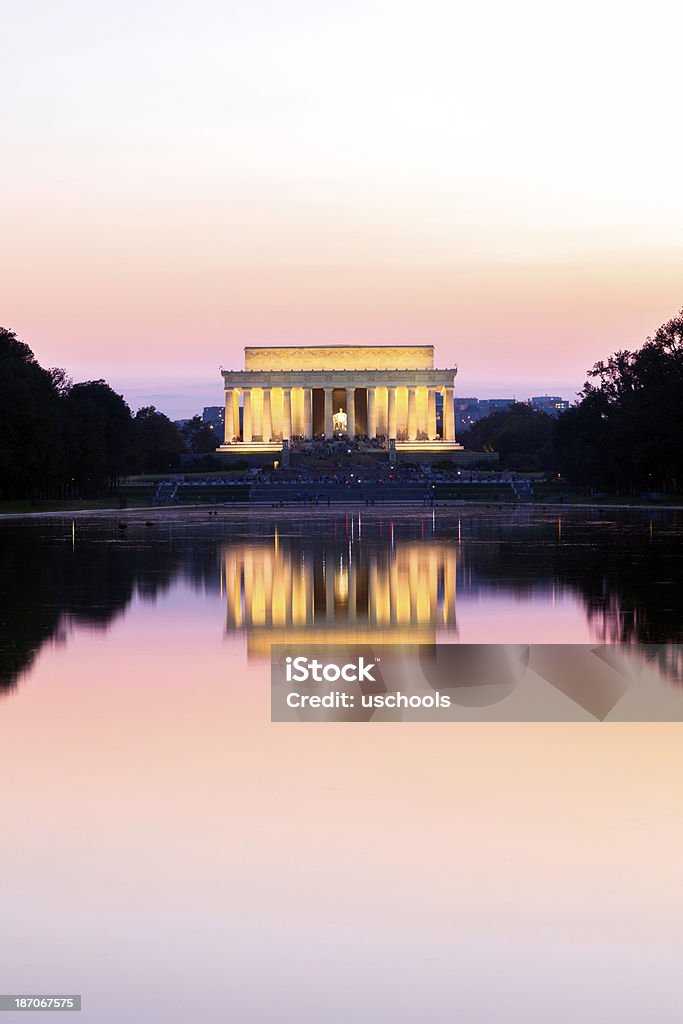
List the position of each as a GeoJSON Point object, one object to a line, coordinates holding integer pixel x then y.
{"type": "Point", "coordinates": [166, 493]}
{"type": "Point", "coordinates": [523, 489]}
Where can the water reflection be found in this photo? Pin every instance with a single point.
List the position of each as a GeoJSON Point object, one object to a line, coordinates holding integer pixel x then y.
{"type": "Point", "coordinates": [338, 577]}
{"type": "Point", "coordinates": [288, 590]}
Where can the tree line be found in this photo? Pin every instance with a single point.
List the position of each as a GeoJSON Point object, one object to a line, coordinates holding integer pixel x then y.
{"type": "Point", "coordinates": [624, 434]}
{"type": "Point", "coordinates": [60, 439]}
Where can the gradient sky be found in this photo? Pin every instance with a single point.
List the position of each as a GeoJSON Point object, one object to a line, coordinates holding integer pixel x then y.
{"type": "Point", "coordinates": [179, 180]}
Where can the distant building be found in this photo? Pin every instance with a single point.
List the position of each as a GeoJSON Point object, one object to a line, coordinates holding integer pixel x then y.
{"type": "Point", "coordinates": [553, 405]}
{"type": "Point", "coordinates": [214, 417]}
{"type": "Point", "coordinates": [469, 410]}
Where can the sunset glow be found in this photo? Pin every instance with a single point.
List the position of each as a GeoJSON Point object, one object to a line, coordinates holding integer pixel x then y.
{"type": "Point", "coordinates": [500, 181]}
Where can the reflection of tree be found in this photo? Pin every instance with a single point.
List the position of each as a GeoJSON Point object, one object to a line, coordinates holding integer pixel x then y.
{"type": "Point", "coordinates": [627, 570]}
{"type": "Point", "coordinates": [46, 586]}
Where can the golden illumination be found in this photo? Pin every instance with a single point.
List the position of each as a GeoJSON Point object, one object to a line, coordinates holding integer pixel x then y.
{"type": "Point", "coordinates": [280, 592]}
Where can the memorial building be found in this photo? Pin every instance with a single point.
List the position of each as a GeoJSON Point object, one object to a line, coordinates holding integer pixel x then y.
{"type": "Point", "coordinates": [384, 394]}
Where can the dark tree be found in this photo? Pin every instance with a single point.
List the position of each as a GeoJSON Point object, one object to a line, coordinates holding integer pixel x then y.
{"type": "Point", "coordinates": [158, 441]}
{"type": "Point", "coordinates": [100, 437]}
{"type": "Point", "coordinates": [199, 436]}
{"type": "Point", "coordinates": [626, 431]}
{"type": "Point", "coordinates": [522, 435]}
{"type": "Point", "coordinates": [31, 453]}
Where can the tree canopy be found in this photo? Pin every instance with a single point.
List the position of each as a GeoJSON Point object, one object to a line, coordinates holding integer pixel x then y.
{"type": "Point", "coordinates": [61, 439]}
{"type": "Point", "coordinates": [522, 435]}
{"type": "Point", "coordinates": [626, 432]}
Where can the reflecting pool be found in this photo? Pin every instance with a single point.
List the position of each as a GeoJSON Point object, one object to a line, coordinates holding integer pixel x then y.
{"type": "Point", "coordinates": [171, 855]}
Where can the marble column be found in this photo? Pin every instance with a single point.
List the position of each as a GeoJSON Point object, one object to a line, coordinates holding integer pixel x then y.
{"type": "Point", "coordinates": [392, 414]}
{"type": "Point", "coordinates": [328, 422]}
{"type": "Point", "coordinates": [266, 417]}
{"type": "Point", "coordinates": [308, 413]}
{"type": "Point", "coordinates": [246, 417]}
{"type": "Point", "coordinates": [448, 415]}
{"type": "Point", "coordinates": [286, 414]}
{"type": "Point", "coordinates": [229, 417]}
{"type": "Point", "coordinates": [351, 412]}
{"type": "Point", "coordinates": [431, 413]}
{"type": "Point", "coordinates": [412, 415]}
{"type": "Point", "coordinates": [372, 416]}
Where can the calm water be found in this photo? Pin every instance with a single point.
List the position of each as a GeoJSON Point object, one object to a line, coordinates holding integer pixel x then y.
{"type": "Point", "coordinates": [172, 856]}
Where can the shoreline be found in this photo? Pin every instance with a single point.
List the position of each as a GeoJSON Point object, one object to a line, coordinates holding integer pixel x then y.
{"type": "Point", "coordinates": [323, 508]}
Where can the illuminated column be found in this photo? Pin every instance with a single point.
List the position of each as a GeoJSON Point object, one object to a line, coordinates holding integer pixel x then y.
{"type": "Point", "coordinates": [412, 415]}
{"type": "Point", "coordinates": [381, 411]}
{"type": "Point", "coordinates": [329, 425]}
{"type": "Point", "coordinates": [372, 417]}
{"type": "Point", "coordinates": [351, 412]}
{"type": "Point", "coordinates": [246, 417]}
{"type": "Point", "coordinates": [266, 417]}
{"type": "Point", "coordinates": [392, 414]}
{"type": "Point", "coordinates": [229, 417]}
{"type": "Point", "coordinates": [431, 413]}
{"type": "Point", "coordinates": [236, 413]}
{"type": "Point", "coordinates": [286, 414]}
{"type": "Point", "coordinates": [448, 415]}
{"type": "Point", "coordinates": [308, 413]}
{"type": "Point", "coordinates": [422, 399]}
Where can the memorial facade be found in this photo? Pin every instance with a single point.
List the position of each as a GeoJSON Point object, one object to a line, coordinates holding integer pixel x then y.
{"type": "Point", "coordinates": [299, 394]}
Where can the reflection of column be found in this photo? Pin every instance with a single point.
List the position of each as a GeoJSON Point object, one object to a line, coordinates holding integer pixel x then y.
{"type": "Point", "coordinates": [372, 417]}
{"type": "Point", "coordinates": [266, 417]}
{"type": "Point", "coordinates": [246, 417]}
{"type": "Point", "coordinates": [448, 415]}
{"type": "Point", "coordinates": [393, 591]}
{"type": "Point", "coordinates": [412, 415]}
{"type": "Point", "coordinates": [373, 587]}
{"type": "Point", "coordinates": [431, 413]}
{"type": "Point", "coordinates": [329, 589]}
{"type": "Point", "coordinates": [229, 420]}
{"type": "Point", "coordinates": [329, 425]}
{"type": "Point", "coordinates": [449, 585]}
{"type": "Point", "coordinates": [286, 414]}
{"type": "Point", "coordinates": [352, 592]}
{"type": "Point", "coordinates": [351, 412]}
{"type": "Point", "coordinates": [413, 584]}
{"type": "Point", "coordinates": [308, 413]}
{"type": "Point", "coordinates": [392, 413]}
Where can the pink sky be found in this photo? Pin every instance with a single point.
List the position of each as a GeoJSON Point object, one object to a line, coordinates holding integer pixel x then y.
{"type": "Point", "coordinates": [490, 180]}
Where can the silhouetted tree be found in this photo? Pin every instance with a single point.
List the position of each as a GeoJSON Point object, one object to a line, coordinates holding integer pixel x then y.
{"type": "Point", "coordinates": [31, 453]}
{"type": "Point", "coordinates": [626, 431]}
{"type": "Point", "coordinates": [199, 436]}
{"type": "Point", "coordinates": [522, 435]}
{"type": "Point", "coordinates": [158, 441]}
{"type": "Point", "coordinates": [100, 436]}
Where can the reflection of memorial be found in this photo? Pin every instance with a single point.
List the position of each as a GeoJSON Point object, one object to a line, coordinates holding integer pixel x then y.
{"type": "Point", "coordinates": [288, 592]}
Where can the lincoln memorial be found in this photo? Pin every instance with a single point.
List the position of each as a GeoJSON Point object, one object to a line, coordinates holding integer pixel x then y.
{"type": "Point", "coordinates": [298, 394]}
